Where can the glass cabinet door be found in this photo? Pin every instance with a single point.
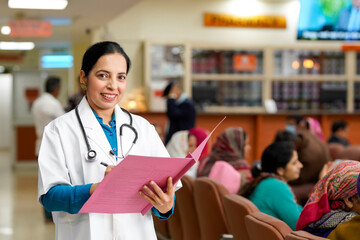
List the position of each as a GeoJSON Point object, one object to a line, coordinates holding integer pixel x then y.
{"type": "Point", "coordinates": [305, 95]}
{"type": "Point", "coordinates": [166, 65]}
{"type": "Point", "coordinates": [227, 93]}
{"type": "Point", "coordinates": [227, 61]}
{"type": "Point", "coordinates": [300, 62]}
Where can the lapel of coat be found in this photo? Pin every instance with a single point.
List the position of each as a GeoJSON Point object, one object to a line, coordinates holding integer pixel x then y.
{"type": "Point", "coordinates": [92, 127]}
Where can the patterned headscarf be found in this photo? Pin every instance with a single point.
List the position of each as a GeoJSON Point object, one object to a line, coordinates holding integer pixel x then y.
{"type": "Point", "coordinates": [229, 147]}
{"type": "Point", "coordinates": [339, 183]}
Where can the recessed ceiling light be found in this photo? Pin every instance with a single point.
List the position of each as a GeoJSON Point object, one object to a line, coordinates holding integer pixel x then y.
{"type": "Point", "coordinates": [5, 30]}
{"type": "Point", "coordinates": [17, 45]}
{"type": "Point", "coordinates": [38, 4]}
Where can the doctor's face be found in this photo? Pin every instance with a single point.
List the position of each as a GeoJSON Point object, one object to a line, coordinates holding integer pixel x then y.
{"type": "Point", "coordinates": [106, 82]}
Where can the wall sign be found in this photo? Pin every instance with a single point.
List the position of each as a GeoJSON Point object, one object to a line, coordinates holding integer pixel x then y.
{"type": "Point", "coordinates": [30, 28]}
{"type": "Point", "coordinates": [226, 20]}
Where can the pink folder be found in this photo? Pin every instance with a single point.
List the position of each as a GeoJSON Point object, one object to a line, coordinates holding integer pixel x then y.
{"type": "Point", "coordinates": [118, 192]}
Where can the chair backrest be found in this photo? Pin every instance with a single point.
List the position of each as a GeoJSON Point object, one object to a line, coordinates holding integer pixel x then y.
{"type": "Point", "coordinates": [208, 196]}
{"type": "Point", "coordinates": [186, 206]}
{"type": "Point", "coordinates": [302, 235]}
{"type": "Point", "coordinates": [263, 226]}
{"type": "Point", "coordinates": [161, 228]}
{"type": "Point", "coordinates": [236, 208]}
{"type": "Point", "coordinates": [175, 224]}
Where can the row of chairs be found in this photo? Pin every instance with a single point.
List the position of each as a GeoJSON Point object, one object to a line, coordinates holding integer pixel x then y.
{"type": "Point", "coordinates": [205, 210]}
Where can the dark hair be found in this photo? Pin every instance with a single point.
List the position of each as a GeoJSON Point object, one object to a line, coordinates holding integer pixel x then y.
{"type": "Point", "coordinates": [285, 136]}
{"type": "Point", "coordinates": [168, 88]}
{"type": "Point", "coordinates": [94, 52]}
{"type": "Point", "coordinates": [277, 155]}
{"type": "Point", "coordinates": [338, 125]}
{"type": "Point", "coordinates": [297, 118]}
{"type": "Point", "coordinates": [52, 83]}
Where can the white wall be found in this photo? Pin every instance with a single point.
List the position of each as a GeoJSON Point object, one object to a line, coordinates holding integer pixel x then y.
{"type": "Point", "coordinates": [5, 109]}
{"type": "Point", "coordinates": [182, 21]}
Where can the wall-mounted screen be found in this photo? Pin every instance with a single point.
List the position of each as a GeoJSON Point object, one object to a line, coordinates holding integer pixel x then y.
{"type": "Point", "coordinates": [329, 20]}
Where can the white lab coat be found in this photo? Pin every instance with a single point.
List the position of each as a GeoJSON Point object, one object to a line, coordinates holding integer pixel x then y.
{"type": "Point", "coordinates": [62, 161]}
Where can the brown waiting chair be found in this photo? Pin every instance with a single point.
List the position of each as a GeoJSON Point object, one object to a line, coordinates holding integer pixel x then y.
{"type": "Point", "coordinates": [302, 235]}
{"type": "Point", "coordinates": [209, 195]}
{"type": "Point", "coordinates": [174, 223]}
{"type": "Point", "coordinates": [263, 226]}
{"type": "Point", "coordinates": [236, 208]}
{"type": "Point", "coordinates": [161, 228]}
{"type": "Point", "coordinates": [186, 206]}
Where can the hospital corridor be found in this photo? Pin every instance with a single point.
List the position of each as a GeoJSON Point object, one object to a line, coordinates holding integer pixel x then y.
{"type": "Point", "coordinates": [21, 216]}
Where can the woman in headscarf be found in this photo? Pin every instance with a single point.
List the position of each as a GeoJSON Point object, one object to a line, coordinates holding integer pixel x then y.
{"type": "Point", "coordinates": [315, 127]}
{"type": "Point", "coordinates": [269, 191]}
{"type": "Point", "coordinates": [200, 135]}
{"type": "Point", "coordinates": [180, 145]}
{"type": "Point", "coordinates": [334, 201]}
{"type": "Point", "coordinates": [230, 146]}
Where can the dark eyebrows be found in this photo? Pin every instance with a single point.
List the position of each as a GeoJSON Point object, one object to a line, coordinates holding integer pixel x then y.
{"type": "Point", "coordinates": [121, 73]}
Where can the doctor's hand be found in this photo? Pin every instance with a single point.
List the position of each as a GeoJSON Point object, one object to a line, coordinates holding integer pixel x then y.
{"type": "Point", "coordinates": [109, 169]}
{"type": "Point", "coordinates": [160, 200]}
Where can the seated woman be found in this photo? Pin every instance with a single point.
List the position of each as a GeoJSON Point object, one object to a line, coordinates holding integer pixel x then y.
{"type": "Point", "coordinates": [180, 145]}
{"type": "Point", "coordinates": [269, 191]}
{"type": "Point", "coordinates": [230, 146]}
{"type": "Point", "coordinates": [333, 202]}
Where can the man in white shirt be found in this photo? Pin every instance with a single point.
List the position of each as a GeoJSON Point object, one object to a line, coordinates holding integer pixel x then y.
{"type": "Point", "coordinates": [45, 109]}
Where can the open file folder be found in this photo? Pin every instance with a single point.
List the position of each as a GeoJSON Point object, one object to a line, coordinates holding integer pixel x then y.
{"type": "Point", "coordinates": [118, 192]}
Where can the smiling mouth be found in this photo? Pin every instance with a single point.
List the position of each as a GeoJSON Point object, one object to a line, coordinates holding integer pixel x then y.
{"type": "Point", "coordinates": [108, 97]}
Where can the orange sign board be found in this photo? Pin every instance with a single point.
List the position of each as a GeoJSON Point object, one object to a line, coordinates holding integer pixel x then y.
{"type": "Point", "coordinates": [244, 62]}
{"type": "Point", "coordinates": [355, 48]}
{"type": "Point", "coordinates": [225, 20]}
{"type": "Point", "coordinates": [30, 28]}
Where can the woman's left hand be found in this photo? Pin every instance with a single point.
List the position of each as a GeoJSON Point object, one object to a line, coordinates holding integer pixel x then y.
{"type": "Point", "coordinates": [160, 200]}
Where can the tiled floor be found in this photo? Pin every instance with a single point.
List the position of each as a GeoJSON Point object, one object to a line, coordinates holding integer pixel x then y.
{"type": "Point", "coordinates": [21, 216]}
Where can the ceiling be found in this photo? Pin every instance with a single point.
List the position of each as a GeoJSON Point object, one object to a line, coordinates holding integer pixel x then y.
{"type": "Point", "coordinates": [84, 14]}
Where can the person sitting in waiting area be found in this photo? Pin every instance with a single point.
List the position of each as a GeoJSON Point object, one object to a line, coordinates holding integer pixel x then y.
{"type": "Point", "coordinates": [339, 131]}
{"type": "Point", "coordinates": [230, 146]}
{"type": "Point", "coordinates": [269, 191]}
{"type": "Point", "coordinates": [313, 154]}
{"type": "Point", "coordinates": [334, 204]}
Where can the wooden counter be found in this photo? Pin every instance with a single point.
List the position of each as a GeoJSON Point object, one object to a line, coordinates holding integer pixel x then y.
{"type": "Point", "coordinates": [261, 129]}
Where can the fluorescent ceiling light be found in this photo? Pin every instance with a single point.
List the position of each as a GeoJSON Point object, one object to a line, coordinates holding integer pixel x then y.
{"type": "Point", "coordinates": [38, 4]}
{"type": "Point", "coordinates": [17, 45]}
{"type": "Point", "coordinates": [5, 30]}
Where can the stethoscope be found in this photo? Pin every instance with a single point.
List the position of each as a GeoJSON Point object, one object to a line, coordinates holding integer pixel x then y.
{"type": "Point", "coordinates": [91, 154]}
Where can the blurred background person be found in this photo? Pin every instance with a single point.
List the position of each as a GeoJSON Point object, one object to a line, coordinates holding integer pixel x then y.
{"type": "Point", "coordinates": [279, 165]}
{"type": "Point", "coordinates": [339, 131]}
{"type": "Point", "coordinates": [295, 123]}
{"type": "Point", "coordinates": [314, 127]}
{"type": "Point", "coordinates": [75, 99]}
{"type": "Point", "coordinates": [45, 109]}
{"type": "Point", "coordinates": [180, 145]}
{"type": "Point", "coordinates": [180, 110]}
{"type": "Point", "coordinates": [333, 202]}
{"type": "Point", "coordinates": [231, 146]}
{"type": "Point", "coordinates": [313, 155]}
{"type": "Point", "coordinates": [200, 135]}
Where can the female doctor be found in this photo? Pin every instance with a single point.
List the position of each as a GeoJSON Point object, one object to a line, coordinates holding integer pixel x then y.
{"type": "Point", "coordinates": [77, 145]}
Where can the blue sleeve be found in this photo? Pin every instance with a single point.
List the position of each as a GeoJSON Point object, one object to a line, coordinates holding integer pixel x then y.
{"type": "Point", "coordinates": [66, 198]}
{"type": "Point", "coordinates": [163, 216]}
